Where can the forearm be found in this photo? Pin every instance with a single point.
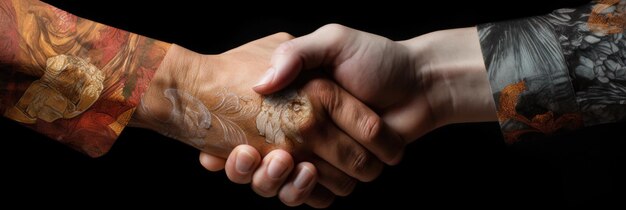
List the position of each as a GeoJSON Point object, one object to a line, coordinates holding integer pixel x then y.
{"type": "Point", "coordinates": [72, 79]}
{"type": "Point", "coordinates": [80, 82]}
{"type": "Point", "coordinates": [546, 74]}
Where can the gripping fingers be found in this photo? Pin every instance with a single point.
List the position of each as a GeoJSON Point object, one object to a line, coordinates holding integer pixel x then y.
{"type": "Point", "coordinates": [358, 121]}
{"type": "Point", "coordinates": [274, 170]}
{"type": "Point", "coordinates": [299, 186]}
{"type": "Point", "coordinates": [211, 163]}
{"type": "Point", "coordinates": [241, 163]}
{"type": "Point", "coordinates": [320, 197]}
{"type": "Point", "coordinates": [333, 179]}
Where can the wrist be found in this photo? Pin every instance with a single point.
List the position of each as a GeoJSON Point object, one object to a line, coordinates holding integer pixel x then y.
{"type": "Point", "coordinates": [449, 66]}
{"type": "Point", "coordinates": [174, 71]}
{"type": "Point", "coordinates": [205, 101]}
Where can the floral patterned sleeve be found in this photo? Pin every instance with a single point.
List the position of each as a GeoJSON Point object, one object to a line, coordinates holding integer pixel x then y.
{"type": "Point", "coordinates": [558, 72]}
{"type": "Point", "coordinates": [72, 79]}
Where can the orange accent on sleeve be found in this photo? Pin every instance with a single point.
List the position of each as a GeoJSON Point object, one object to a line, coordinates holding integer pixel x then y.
{"type": "Point", "coordinates": [608, 16]}
{"type": "Point", "coordinates": [546, 123]}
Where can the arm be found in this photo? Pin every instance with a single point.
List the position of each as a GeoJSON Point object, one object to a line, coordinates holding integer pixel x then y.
{"type": "Point", "coordinates": [548, 74]}
{"type": "Point", "coordinates": [538, 76]}
{"type": "Point", "coordinates": [207, 101]}
{"type": "Point", "coordinates": [72, 79]}
{"type": "Point", "coordinates": [417, 85]}
{"type": "Point", "coordinates": [558, 72]}
{"type": "Point", "coordinates": [80, 82]}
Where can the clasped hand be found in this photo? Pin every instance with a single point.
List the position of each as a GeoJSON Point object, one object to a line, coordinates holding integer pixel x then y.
{"type": "Point", "coordinates": [307, 118]}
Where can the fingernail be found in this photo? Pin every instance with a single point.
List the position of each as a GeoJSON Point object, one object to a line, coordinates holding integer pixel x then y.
{"type": "Point", "coordinates": [244, 162]}
{"type": "Point", "coordinates": [276, 169]}
{"type": "Point", "coordinates": [267, 77]}
{"type": "Point", "coordinates": [398, 158]}
{"type": "Point", "coordinates": [303, 179]}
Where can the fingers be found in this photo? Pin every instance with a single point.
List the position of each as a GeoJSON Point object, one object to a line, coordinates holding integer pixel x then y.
{"type": "Point", "coordinates": [320, 198]}
{"type": "Point", "coordinates": [333, 179]}
{"type": "Point", "coordinates": [343, 152]}
{"type": "Point", "coordinates": [299, 186]}
{"type": "Point", "coordinates": [358, 121]}
{"type": "Point", "coordinates": [211, 163]}
{"type": "Point", "coordinates": [319, 48]}
{"type": "Point", "coordinates": [365, 126]}
{"type": "Point", "coordinates": [272, 173]}
{"type": "Point", "coordinates": [295, 189]}
{"type": "Point", "coordinates": [241, 163]}
{"type": "Point", "coordinates": [322, 172]}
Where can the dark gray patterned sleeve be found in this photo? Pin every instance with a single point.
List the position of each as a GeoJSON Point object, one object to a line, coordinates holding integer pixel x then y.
{"type": "Point", "coordinates": [558, 72]}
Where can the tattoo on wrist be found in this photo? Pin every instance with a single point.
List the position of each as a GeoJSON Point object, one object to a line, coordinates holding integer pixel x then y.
{"type": "Point", "coordinates": [189, 119]}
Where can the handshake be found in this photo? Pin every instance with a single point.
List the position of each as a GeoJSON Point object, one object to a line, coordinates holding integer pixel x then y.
{"type": "Point", "coordinates": [307, 118]}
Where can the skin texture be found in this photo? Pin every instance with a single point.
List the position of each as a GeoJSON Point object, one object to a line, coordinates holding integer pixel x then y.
{"type": "Point", "coordinates": [416, 85]}
{"type": "Point", "coordinates": [278, 118]}
{"type": "Point", "coordinates": [203, 100]}
{"type": "Point", "coordinates": [207, 101]}
{"type": "Point", "coordinates": [548, 74]}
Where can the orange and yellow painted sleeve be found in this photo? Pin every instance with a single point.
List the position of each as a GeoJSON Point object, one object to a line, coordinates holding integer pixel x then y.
{"type": "Point", "coordinates": [72, 79]}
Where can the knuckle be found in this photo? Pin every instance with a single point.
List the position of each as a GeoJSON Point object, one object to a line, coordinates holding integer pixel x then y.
{"type": "Point", "coordinates": [364, 165]}
{"type": "Point", "coordinates": [284, 36]}
{"type": "Point", "coordinates": [335, 33]}
{"type": "Point", "coordinates": [372, 134]}
{"type": "Point", "coordinates": [320, 85]}
{"type": "Point", "coordinates": [334, 28]}
{"type": "Point", "coordinates": [324, 91]}
{"type": "Point", "coordinates": [372, 127]}
{"type": "Point", "coordinates": [286, 47]}
{"type": "Point", "coordinates": [360, 163]}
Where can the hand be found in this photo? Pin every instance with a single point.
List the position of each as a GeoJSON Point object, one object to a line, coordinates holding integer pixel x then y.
{"type": "Point", "coordinates": [417, 85]}
{"type": "Point", "coordinates": [207, 102]}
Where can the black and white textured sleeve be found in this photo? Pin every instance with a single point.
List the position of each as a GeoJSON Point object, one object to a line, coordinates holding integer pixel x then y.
{"type": "Point", "coordinates": [558, 72]}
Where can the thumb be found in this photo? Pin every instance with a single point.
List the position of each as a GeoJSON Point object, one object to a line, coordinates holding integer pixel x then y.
{"type": "Point", "coordinates": [311, 51]}
{"type": "Point", "coordinates": [212, 162]}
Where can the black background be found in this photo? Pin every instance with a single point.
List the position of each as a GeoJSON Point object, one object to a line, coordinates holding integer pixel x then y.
{"type": "Point", "coordinates": [459, 166]}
